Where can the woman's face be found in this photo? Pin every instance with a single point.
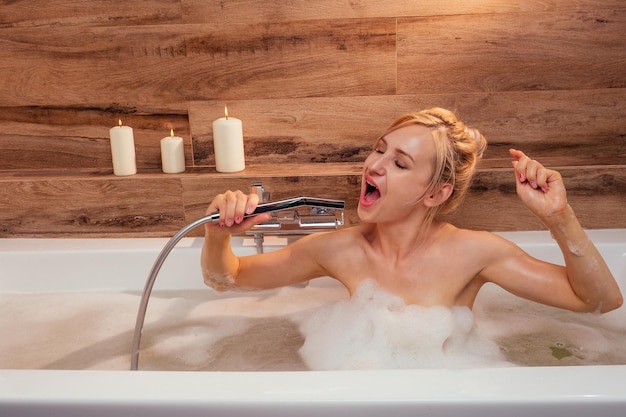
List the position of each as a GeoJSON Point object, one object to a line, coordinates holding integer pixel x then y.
{"type": "Point", "coordinates": [396, 174]}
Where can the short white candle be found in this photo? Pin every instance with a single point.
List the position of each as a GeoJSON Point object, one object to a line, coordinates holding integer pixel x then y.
{"type": "Point", "coordinates": [123, 150]}
{"type": "Point", "coordinates": [228, 144]}
{"type": "Point", "coordinates": [172, 154]}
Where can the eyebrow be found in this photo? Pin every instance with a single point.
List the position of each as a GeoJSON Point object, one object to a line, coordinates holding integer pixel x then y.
{"type": "Point", "coordinates": [397, 149]}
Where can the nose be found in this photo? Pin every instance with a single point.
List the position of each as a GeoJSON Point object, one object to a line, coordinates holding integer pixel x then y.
{"type": "Point", "coordinates": [377, 163]}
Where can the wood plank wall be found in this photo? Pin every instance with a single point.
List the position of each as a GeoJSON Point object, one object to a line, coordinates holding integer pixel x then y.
{"type": "Point", "coordinates": [314, 83]}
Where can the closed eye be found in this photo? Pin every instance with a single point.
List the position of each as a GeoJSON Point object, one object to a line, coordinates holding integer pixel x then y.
{"type": "Point", "coordinates": [380, 146]}
{"type": "Point", "coordinates": [381, 151]}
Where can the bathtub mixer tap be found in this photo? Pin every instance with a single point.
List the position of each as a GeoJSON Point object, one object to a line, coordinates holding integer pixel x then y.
{"type": "Point", "coordinates": [264, 197]}
{"type": "Point", "coordinates": [318, 218]}
{"type": "Point", "coordinates": [324, 214]}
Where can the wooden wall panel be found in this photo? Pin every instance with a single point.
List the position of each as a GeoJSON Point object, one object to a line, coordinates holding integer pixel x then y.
{"type": "Point", "coordinates": [307, 130]}
{"type": "Point", "coordinates": [201, 11]}
{"type": "Point", "coordinates": [34, 138]}
{"type": "Point", "coordinates": [104, 206]}
{"type": "Point", "coordinates": [160, 205]}
{"type": "Point", "coordinates": [597, 195]}
{"type": "Point", "coordinates": [28, 13]}
{"type": "Point", "coordinates": [77, 66]}
{"type": "Point", "coordinates": [315, 84]}
{"type": "Point", "coordinates": [589, 130]}
{"type": "Point", "coordinates": [504, 52]}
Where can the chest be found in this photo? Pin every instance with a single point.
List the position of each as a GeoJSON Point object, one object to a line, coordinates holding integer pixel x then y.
{"type": "Point", "coordinates": [425, 279]}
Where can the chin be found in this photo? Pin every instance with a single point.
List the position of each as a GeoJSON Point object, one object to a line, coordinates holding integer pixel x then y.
{"type": "Point", "coordinates": [365, 215]}
{"type": "Point", "coordinates": [360, 214]}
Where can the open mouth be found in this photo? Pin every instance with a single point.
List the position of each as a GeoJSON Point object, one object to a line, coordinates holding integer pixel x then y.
{"type": "Point", "coordinates": [372, 193]}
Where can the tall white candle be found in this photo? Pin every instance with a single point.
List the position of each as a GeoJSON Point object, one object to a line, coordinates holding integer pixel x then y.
{"type": "Point", "coordinates": [172, 154]}
{"type": "Point", "coordinates": [228, 144]}
{"type": "Point", "coordinates": [123, 150]}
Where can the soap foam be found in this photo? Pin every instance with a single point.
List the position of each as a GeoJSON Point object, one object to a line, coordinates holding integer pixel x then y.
{"type": "Point", "coordinates": [316, 327]}
{"type": "Point", "coordinates": [376, 330]}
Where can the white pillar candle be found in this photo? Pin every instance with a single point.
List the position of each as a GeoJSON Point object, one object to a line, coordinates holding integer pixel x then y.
{"type": "Point", "coordinates": [123, 150]}
{"type": "Point", "coordinates": [172, 154]}
{"type": "Point", "coordinates": [228, 144]}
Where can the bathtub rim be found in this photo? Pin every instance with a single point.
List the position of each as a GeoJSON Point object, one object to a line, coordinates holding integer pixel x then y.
{"type": "Point", "coordinates": [16, 268]}
{"type": "Point", "coordinates": [562, 384]}
{"type": "Point", "coordinates": [21, 244]}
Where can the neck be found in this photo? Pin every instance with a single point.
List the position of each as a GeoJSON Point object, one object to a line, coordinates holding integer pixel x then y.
{"type": "Point", "coordinates": [397, 241]}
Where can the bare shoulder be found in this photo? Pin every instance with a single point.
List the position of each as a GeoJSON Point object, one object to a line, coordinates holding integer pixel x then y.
{"type": "Point", "coordinates": [480, 244]}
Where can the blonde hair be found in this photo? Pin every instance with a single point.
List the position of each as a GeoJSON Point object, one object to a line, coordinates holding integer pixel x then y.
{"type": "Point", "coordinates": [458, 151]}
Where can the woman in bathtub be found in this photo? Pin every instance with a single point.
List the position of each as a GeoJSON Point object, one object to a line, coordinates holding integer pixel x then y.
{"type": "Point", "coordinates": [422, 166]}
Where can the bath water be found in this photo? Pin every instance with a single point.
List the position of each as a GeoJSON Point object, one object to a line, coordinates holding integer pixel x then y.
{"type": "Point", "coordinates": [316, 327]}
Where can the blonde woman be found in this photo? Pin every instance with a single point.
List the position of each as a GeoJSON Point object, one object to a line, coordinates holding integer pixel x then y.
{"type": "Point", "coordinates": [420, 167]}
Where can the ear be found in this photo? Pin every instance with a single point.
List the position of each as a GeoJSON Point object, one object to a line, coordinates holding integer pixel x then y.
{"type": "Point", "coordinates": [439, 196]}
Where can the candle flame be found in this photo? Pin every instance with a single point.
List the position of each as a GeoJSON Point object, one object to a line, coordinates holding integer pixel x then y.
{"type": "Point", "coordinates": [226, 112]}
{"type": "Point", "coordinates": [172, 132]}
{"type": "Point", "coordinates": [120, 121]}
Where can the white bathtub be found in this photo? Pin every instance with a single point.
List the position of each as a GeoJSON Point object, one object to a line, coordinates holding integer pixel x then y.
{"type": "Point", "coordinates": [42, 265]}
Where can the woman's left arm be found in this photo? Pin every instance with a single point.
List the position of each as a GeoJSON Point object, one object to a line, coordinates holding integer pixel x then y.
{"type": "Point", "coordinates": [542, 191]}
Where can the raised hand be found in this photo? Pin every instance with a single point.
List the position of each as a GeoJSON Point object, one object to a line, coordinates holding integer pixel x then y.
{"type": "Point", "coordinates": [540, 189]}
{"type": "Point", "coordinates": [232, 207]}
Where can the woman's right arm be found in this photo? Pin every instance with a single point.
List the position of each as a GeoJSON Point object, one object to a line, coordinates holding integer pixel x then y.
{"type": "Point", "coordinates": [223, 270]}
{"type": "Point", "coordinates": [219, 263]}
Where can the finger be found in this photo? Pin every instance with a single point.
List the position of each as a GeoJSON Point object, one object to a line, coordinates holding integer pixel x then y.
{"type": "Point", "coordinates": [213, 207]}
{"type": "Point", "coordinates": [217, 205]}
{"type": "Point", "coordinates": [518, 178]}
{"type": "Point", "coordinates": [532, 169]}
{"type": "Point", "coordinates": [554, 179]}
{"type": "Point", "coordinates": [542, 179]}
{"type": "Point", "coordinates": [241, 207]}
{"type": "Point", "coordinates": [520, 164]}
{"type": "Point", "coordinates": [253, 201]}
{"type": "Point", "coordinates": [516, 154]}
{"type": "Point", "coordinates": [246, 224]}
{"type": "Point", "coordinates": [235, 206]}
{"type": "Point", "coordinates": [246, 204]}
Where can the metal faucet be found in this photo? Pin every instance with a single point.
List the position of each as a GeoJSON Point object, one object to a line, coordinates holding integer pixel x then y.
{"type": "Point", "coordinates": [264, 197]}
{"type": "Point", "coordinates": [293, 221]}
{"type": "Point", "coordinates": [293, 224]}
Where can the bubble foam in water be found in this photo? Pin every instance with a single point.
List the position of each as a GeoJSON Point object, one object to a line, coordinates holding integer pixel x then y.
{"type": "Point", "coordinates": [376, 330]}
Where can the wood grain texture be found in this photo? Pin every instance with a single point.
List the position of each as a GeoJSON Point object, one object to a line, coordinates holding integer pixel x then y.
{"type": "Point", "coordinates": [315, 83]}
{"type": "Point", "coordinates": [159, 205]}
{"type": "Point", "coordinates": [74, 138]}
{"type": "Point", "coordinates": [308, 130]}
{"type": "Point", "coordinates": [200, 11]}
{"type": "Point", "coordinates": [512, 52]}
{"type": "Point", "coordinates": [76, 66]}
{"type": "Point", "coordinates": [558, 127]}
{"type": "Point", "coordinates": [597, 195]}
{"type": "Point", "coordinates": [104, 206]}
{"type": "Point", "coordinates": [27, 13]}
